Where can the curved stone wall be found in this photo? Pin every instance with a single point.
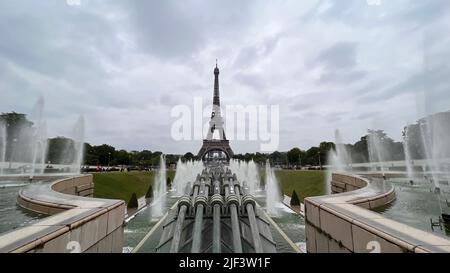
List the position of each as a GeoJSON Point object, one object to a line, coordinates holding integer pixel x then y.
{"type": "Point", "coordinates": [78, 224]}
{"type": "Point", "coordinates": [342, 222]}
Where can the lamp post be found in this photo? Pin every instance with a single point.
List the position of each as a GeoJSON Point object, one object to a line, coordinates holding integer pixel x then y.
{"type": "Point", "coordinates": [109, 158]}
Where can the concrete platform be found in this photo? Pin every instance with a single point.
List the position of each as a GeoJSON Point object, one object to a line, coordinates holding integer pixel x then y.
{"type": "Point", "coordinates": [78, 224]}
{"type": "Point", "coordinates": [342, 222]}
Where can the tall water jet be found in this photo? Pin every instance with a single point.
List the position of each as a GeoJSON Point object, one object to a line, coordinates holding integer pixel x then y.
{"type": "Point", "coordinates": [407, 152]}
{"type": "Point", "coordinates": [252, 178]}
{"type": "Point", "coordinates": [39, 139]}
{"type": "Point", "coordinates": [339, 160]}
{"type": "Point", "coordinates": [185, 172]}
{"type": "Point", "coordinates": [196, 169]}
{"type": "Point", "coordinates": [434, 132]}
{"type": "Point", "coordinates": [78, 142]}
{"type": "Point", "coordinates": [343, 159]}
{"type": "Point", "coordinates": [3, 137]}
{"type": "Point", "coordinates": [181, 178]}
{"type": "Point", "coordinates": [273, 195]}
{"type": "Point", "coordinates": [44, 148]}
{"type": "Point", "coordinates": [160, 190]}
{"type": "Point", "coordinates": [39, 151]}
{"type": "Point", "coordinates": [376, 150]}
{"type": "Point", "coordinates": [237, 168]}
{"type": "Point", "coordinates": [246, 172]}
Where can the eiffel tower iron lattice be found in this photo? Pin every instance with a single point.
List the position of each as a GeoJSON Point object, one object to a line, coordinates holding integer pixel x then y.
{"type": "Point", "coordinates": [210, 145]}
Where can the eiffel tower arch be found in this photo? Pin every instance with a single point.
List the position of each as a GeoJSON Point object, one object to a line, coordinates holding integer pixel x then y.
{"type": "Point", "coordinates": [220, 148]}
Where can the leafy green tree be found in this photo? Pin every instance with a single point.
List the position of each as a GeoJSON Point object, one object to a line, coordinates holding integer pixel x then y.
{"type": "Point", "coordinates": [133, 203]}
{"type": "Point", "coordinates": [277, 158]}
{"type": "Point", "coordinates": [90, 158]}
{"type": "Point", "coordinates": [61, 150]}
{"type": "Point", "coordinates": [149, 193]}
{"type": "Point", "coordinates": [312, 156]}
{"type": "Point", "coordinates": [324, 149]}
{"type": "Point", "coordinates": [18, 131]}
{"type": "Point", "coordinates": [171, 159]}
{"type": "Point", "coordinates": [121, 157]}
{"type": "Point", "coordinates": [105, 153]}
{"type": "Point", "coordinates": [359, 151]}
{"type": "Point", "coordinates": [145, 155]}
{"type": "Point", "coordinates": [293, 156]}
{"type": "Point", "coordinates": [188, 156]}
{"type": "Point", "coordinates": [295, 201]}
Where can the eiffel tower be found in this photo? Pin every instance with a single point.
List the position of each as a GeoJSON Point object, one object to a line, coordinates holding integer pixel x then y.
{"type": "Point", "coordinates": [216, 148]}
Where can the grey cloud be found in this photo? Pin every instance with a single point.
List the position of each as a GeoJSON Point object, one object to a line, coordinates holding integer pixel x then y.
{"type": "Point", "coordinates": [174, 29]}
{"type": "Point", "coordinates": [335, 116]}
{"type": "Point", "coordinates": [129, 62]}
{"type": "Point", "coordinates": [250, 54]}
{"type": "Point", "coordinates": [341, 77]}
{"type": "Point", "coordinates": [168, 100]}
{"type": "Point", "coordinates": [393, 13]}
{"type": "Point", "coordinates": [41, 43]}
{"type": "Point", "coordinates": [253, 80]}
{"type": "Point", "coordinates": [367, 115]}
{"type": "Point", "coordinates": [341, 55]}
{"type": "Point", "coordinates": [433, 81]}
{"type": "Point", "coordinates": [424, 11]}
{"type": "Point", "coordinates": [299, 106]}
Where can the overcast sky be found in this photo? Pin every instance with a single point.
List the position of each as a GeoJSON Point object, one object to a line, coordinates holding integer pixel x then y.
{"type": "Point", "coordinates": [123, 65]}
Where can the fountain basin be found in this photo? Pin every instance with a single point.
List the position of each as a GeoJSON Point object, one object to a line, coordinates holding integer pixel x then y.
{"type": "Point", "coordinates": [13, 216]}
{"type": "Point", "coordinates": [342, 222]}
{"type": "Point", "coordinates": [78, 224]}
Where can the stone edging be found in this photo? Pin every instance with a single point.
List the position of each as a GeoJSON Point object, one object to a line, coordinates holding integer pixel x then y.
{"type": "Point", "coordinates": [78, 224]}
{"type": "Point", "coordinates": [343, 223]}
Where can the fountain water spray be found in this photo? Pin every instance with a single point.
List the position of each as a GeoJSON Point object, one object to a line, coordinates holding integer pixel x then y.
{"type": "Point", "coordinates": [26, 141]}
{"type": "Point", "coordinates": [160, 190]}
{"type": "Point", "coordinates": [78, 138]}
{"type": "Point", "coordinates": [253, 180]}
{"type": "Point", "coordinates": [338, 159]}
{"type": "Point", "coordinates": [377, 151]}
{"type": "Point", "coordinates": [186, 172]}
{"type": "Point", "coordinates": [434, 132]}
{"type": "Point", "coordinates": [25, 144]}
{"type": "Point", "coordinates": [179, 178]}
{"type": "Point", "coordinates": [407, 152]}
{"type": "Point", "coordinates": [246, 172]}
{"type": "Point", "coordinates": [273, 195]}
{"type": "Point", "coordinates": [39, 139]}
{"type": "Point", "coordinates": [3, 137]}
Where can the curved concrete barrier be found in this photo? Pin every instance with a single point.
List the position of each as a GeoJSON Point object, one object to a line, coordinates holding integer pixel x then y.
{"type": "Point", "coordinates": [343, 223]}
{"type": "Point", "coordinates": [78, 224]}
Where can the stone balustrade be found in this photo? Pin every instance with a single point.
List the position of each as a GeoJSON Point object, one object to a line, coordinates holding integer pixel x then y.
{"type": "Point", "coordinates": [342, 222]}
{"type": "Point", "coordinates": [78, 224]}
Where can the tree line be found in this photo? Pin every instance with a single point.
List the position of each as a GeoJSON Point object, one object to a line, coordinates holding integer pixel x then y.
{"type": "Point", "coordinates": [315, 156]}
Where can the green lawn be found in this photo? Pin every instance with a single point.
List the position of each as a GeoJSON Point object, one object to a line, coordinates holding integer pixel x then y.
{"type": "Point", "coordinates": [305, 183]}
{"type": "Point", "coordinates": [117, 185]}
